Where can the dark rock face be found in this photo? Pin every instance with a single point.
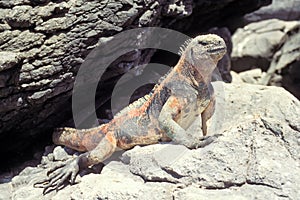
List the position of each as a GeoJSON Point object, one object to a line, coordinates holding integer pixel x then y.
{"type": "Point", "coordinates": [43, 42]}
{"type": "Point", "coordinates": [224, 65]}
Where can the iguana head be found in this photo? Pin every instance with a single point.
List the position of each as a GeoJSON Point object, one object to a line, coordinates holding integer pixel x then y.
{"type": "Point", "coordinates": [204, 52]}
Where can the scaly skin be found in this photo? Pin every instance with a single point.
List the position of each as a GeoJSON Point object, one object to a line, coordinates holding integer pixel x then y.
{"type": "Point", "coordinates": [163, 115]}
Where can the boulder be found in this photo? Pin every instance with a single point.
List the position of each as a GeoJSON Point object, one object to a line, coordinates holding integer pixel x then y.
{"type": "Point", "coordinates": [273, 46]}
{"type": "Point", "coordinates": [255, 44]}
{"type": "Point", "coordinates": [285, 10]}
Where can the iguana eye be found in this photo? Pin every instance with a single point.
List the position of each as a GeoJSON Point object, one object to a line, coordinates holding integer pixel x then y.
{"type": "Point", "coordinates": [203, 43]}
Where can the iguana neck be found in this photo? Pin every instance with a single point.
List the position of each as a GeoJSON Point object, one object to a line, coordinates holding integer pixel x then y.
{"type": "Point", "coordinates": [193, 73]}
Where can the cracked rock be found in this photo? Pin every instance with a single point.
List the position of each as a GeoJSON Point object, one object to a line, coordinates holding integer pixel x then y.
{"type": "Point", "coordinates": [8, 60]}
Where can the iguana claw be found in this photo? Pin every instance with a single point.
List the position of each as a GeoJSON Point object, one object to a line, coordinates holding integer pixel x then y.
{"type": "Point", "coordinates": [206, 140]}
{"type": "Point", "coordinates": [58, 174]}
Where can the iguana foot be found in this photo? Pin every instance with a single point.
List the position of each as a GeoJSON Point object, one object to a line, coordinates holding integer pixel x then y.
{"type": "Point", "coordinates": [204, 141]}
{"type": "Point", "coordinates": [58, 174]}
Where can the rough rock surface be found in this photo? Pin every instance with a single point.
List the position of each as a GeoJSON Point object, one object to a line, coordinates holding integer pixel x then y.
{"type": "Point", "coordinates": [255, 44]}
{"type": "Point", "coordinates": [257, 157]}
{"type": "Point", "coordinates": [272, 45]}
{"type": "Point", "coordinates": [43, 43]}
{"type": "Point", "coordinates": [252, 76]}
{"type": "Point", "coordinates": [284, 10]}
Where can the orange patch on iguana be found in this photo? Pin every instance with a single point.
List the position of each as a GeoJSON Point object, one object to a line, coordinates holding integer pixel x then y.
{"type": "Point", "coordinates": [104, 128]}
{"type": "Point", "coordinates": [139, 111]}
{"type": "Point", "coordinates": [134, 113]}
{"type": "Point", "coordinates": [111, 138]}
{"type": "Point", "coordinates": [90, 140]}
{"type": "Point", "coordinates": [143, 108]}
{"type": "Point", "coordinates": [174, 103]}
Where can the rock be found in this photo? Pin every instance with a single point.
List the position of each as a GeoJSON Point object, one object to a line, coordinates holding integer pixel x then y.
{"type": "Point", "coordinates": [8, 60]}
{"type": "Point", "coordinates": [178, 8]}
{"type": "Point", "coordinates": [284, 10]}
{"type": "Point", "coordinates": [24, 41]}
{"type": "Point", "coordinates": [5, 191]}
{"type": "Point", "coordinates": [286, 65]}
{"type": "Point", "coordinates": [236, 79]}
{"type": "Point", "coordinates": [154, 158]}
{"type": "Point", "coordinates": [9, 4]}
{"type": "Point", "coordinates": [243, 192]}
{"type": "Point", "coordinates": [255, 44]}
{"type": "Point", "coordinates": [272, 45]}
{"type": "Point", "coordinates": [256, 157]}
{"type": "Point", "coordinates": [60, 154]}
{"type": "Point", "coordinates": [252, 76]}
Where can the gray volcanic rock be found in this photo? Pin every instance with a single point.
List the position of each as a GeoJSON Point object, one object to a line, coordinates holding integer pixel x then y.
{"type": "Point", "coordinates": [272, 45]}
{"type": "Point", "coordinates": [256, 157]}
{"type": "Point", "coordinates": [284, 10]}
{"type": "Point", "coordinates": [255, 44]}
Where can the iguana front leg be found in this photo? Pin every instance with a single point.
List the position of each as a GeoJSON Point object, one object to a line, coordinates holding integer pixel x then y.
{"type": "Point", "coordinates": [207, 114]}
{"type": "Point", "coordinates": [170, 111]}
{"type": "Point", "coordinates": [69, 169]}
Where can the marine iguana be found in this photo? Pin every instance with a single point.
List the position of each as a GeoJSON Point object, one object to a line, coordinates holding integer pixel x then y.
{"type": "Point", "coordinates": [163, 115]}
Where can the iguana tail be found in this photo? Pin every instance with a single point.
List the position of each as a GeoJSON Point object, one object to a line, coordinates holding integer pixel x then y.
{"type": "Point", "coordinates": [81, 140]}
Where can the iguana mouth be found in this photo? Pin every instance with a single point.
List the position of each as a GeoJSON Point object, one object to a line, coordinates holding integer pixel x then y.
{"type": "Point", "coordinates": [216, 49]}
